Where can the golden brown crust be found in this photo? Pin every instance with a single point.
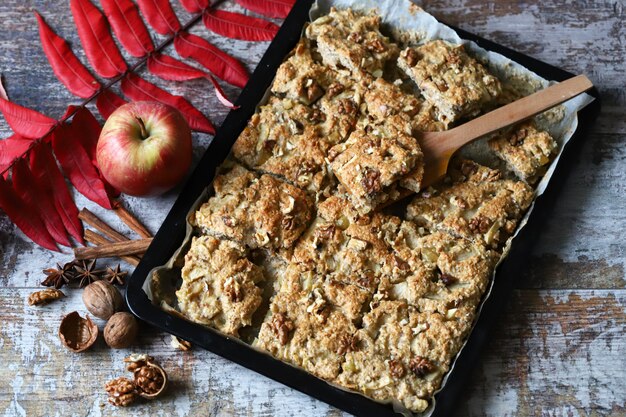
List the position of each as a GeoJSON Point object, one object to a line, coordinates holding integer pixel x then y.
{"type": "Point", "coordinates": [370, 164]}
{"type": "Point", "coordinates": [305, 334]}
{"type": "Point", "coordinates": [352, 40]}
{"type": "Point", "coordinates": [219, 286]}
{"type": "Point", "coordinates": [526, 150]}
{"type": "Point", "coordinates": [402, 354]}
{"type": "Point", "coordinates": [486, 212]}
{"type": "Point", "coordinates": [257, 211]}
{"type": "Point", "coordinates": [458, 85]}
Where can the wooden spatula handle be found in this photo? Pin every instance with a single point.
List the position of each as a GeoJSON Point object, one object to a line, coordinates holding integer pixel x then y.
{"type": "Point", "coordinates": [517, 111]}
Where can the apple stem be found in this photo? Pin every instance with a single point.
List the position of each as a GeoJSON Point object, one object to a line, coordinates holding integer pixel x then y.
{"type": "Point", "coordinates": [142, 126]}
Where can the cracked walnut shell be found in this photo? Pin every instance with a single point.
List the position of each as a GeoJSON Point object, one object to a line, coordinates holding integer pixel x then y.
{"type": "Point", "coordinates": [77, 333]}
{"type": "Point", "coordinates": [150, 378]}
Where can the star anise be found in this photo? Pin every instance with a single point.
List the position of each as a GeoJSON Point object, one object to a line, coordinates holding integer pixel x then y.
{"type": "Point", "coordinates": [115, 275]}
{"type": "Point", "coordinates": [59, 276]}
{"type": "Point", "coordinates": [87, 273]}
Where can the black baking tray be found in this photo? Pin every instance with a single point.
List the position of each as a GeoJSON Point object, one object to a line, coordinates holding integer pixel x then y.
{"type": "Point", "coordinates": [172, 233]}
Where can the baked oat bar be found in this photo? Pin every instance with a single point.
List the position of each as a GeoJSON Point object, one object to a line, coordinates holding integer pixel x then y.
{"type": "Point", "coordinates": [285, 139]}
{"type": "Point", "coordinates": [220, 285]}
{"type": "Point", "coordinates": [312, 335]}
{"type": "Point", "coordinates": [343, 244]}
{"type": "Point", "coordinates": [340, 108]}
{"type": "Point", "coordinates": [370, 164]}
{"type": "Point", "coordinates": [387, 103]}
{"type": "Point", "coordinates": [317, 290]}
{"type": "Point", "coordinates": [436, 272]}
{"type": "Point", "coordinates": [526, 149]}
{"type": "Point", "coordinates": [257, 211]}
{"type": "Point", "coordinates": [300, 77]}
{"type": "Point", "coordinates": [352, 40]}
{"type": "Point", "coordinates": [458, 85]}
{"type": "Point", "coordinates": [486, 212]}
{"type": "Point", "coordinates": [402, 354]}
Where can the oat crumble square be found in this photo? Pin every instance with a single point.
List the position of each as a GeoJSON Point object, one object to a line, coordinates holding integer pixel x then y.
{"type": "Point", "coordinates": [526, 149]}
{"type": "Point", "coordinates": [220, 285]}
{"type": "Point", "coordinates": [307, 333]}
{"type": "Point", "coordinates": [257, 211]}
{"type": "Point", "coordinates": [369, 164]}
{"type": "Point", "coordinates": [486, 212]}
{"type": "Point", "coordinates": [352, 40]}
{"type": "Point", "coordinates": [458, 85]}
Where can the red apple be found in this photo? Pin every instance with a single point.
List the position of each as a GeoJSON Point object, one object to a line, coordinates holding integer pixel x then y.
{"type": "Point", "coordinates": [144, 148]}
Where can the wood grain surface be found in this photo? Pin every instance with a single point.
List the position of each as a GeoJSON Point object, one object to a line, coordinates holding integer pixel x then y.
{"type": "Point", "coordinates": [559, 348]}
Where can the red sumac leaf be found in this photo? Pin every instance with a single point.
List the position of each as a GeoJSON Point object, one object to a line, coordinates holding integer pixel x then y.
{"type": "Point", "coordinates": [3, 92]}
{"type": "Point", "coordinates": [195, 6]}
{"type": "Point", "coordinates": [96, 38]}
{"type": "Point", "coordinates": [32, 194]}
{"type": "Point", "coordinates": [212, 58]}
{"type": "Point", "coordinates": [107, 102]}
{"type": "Point", "coordinates": [269, 8]}
{"type": "Point", "coordinates": [220, 94]}
{"type": "Point", "coordinates": [24, 217]}
{"type": "Point", "coordinates": [50, 179]}
{"type": "Point", "coordinates": [78, 167]}
{"type": "Point", "coordinates": [239, 26]}
{"type": "Point", "coordinates": [87, 128]}
{"type": "Point", "coordinates": [65, 65]}
{"type": "Point", "coordinates": [139, 89]}
{"type": "Point", "coordinates": [128, 26]}
{"type": "Point", "coordinates": [11, 148]}
{"type": "Point", "coordinates": [24, 121]}
{"type": "Point", "coordinates": [160, 16]}
{"type": "Point", "coordinates": [168, 68]}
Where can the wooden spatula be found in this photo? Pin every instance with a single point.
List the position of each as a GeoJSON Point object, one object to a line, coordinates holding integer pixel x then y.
{"type": "Point", "coordinates": [438, 147]}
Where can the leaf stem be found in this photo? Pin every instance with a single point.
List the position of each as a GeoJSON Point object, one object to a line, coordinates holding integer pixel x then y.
{"type": "Point", "coordinates": [142, 61]}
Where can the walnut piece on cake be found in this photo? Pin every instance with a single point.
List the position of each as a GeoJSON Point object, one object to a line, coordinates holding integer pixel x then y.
{"type": "Point", "coordinates": [486, 211]}
{"type": "Point", "coordinates": [526, 149]}
{"type": "Point", "coordinates": [458, 85]}
{"type": "Point", "coordinates": [256, 211]}
{"type": "Point", "coordinates": [370, 164]}
{"type": "Point", "coordinates": [402, 354]}
{"type": "Point", "coordinates": [220, 285]}
{"type": "Point", "coordinates": [350, 39]}
{"type": "Point", "coordinates": [310, 334]}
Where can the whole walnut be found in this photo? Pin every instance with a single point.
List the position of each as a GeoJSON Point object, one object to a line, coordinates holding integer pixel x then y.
{"type": "Point", "coordinates": [102, 299]}
{"type": "Point", "coordinates": [121, 330]}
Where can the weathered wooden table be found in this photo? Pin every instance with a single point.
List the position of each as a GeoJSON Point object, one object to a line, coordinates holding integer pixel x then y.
{"type": "Point", "coordinates": [559, 348]}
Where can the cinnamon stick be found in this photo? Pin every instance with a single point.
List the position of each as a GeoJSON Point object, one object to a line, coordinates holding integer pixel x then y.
{"type": "Point", "coordinates": [98, 224]}
{"type": "Point", "coordinates": [131, 221]}
{"type": "Point", "coordinates": [96, 239]}
{"type": "Point", "coordinates": [112, 250]}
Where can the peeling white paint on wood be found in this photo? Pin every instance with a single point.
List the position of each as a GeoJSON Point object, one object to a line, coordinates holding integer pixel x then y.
{"type": "Point", "coordinates": [559, 349]}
